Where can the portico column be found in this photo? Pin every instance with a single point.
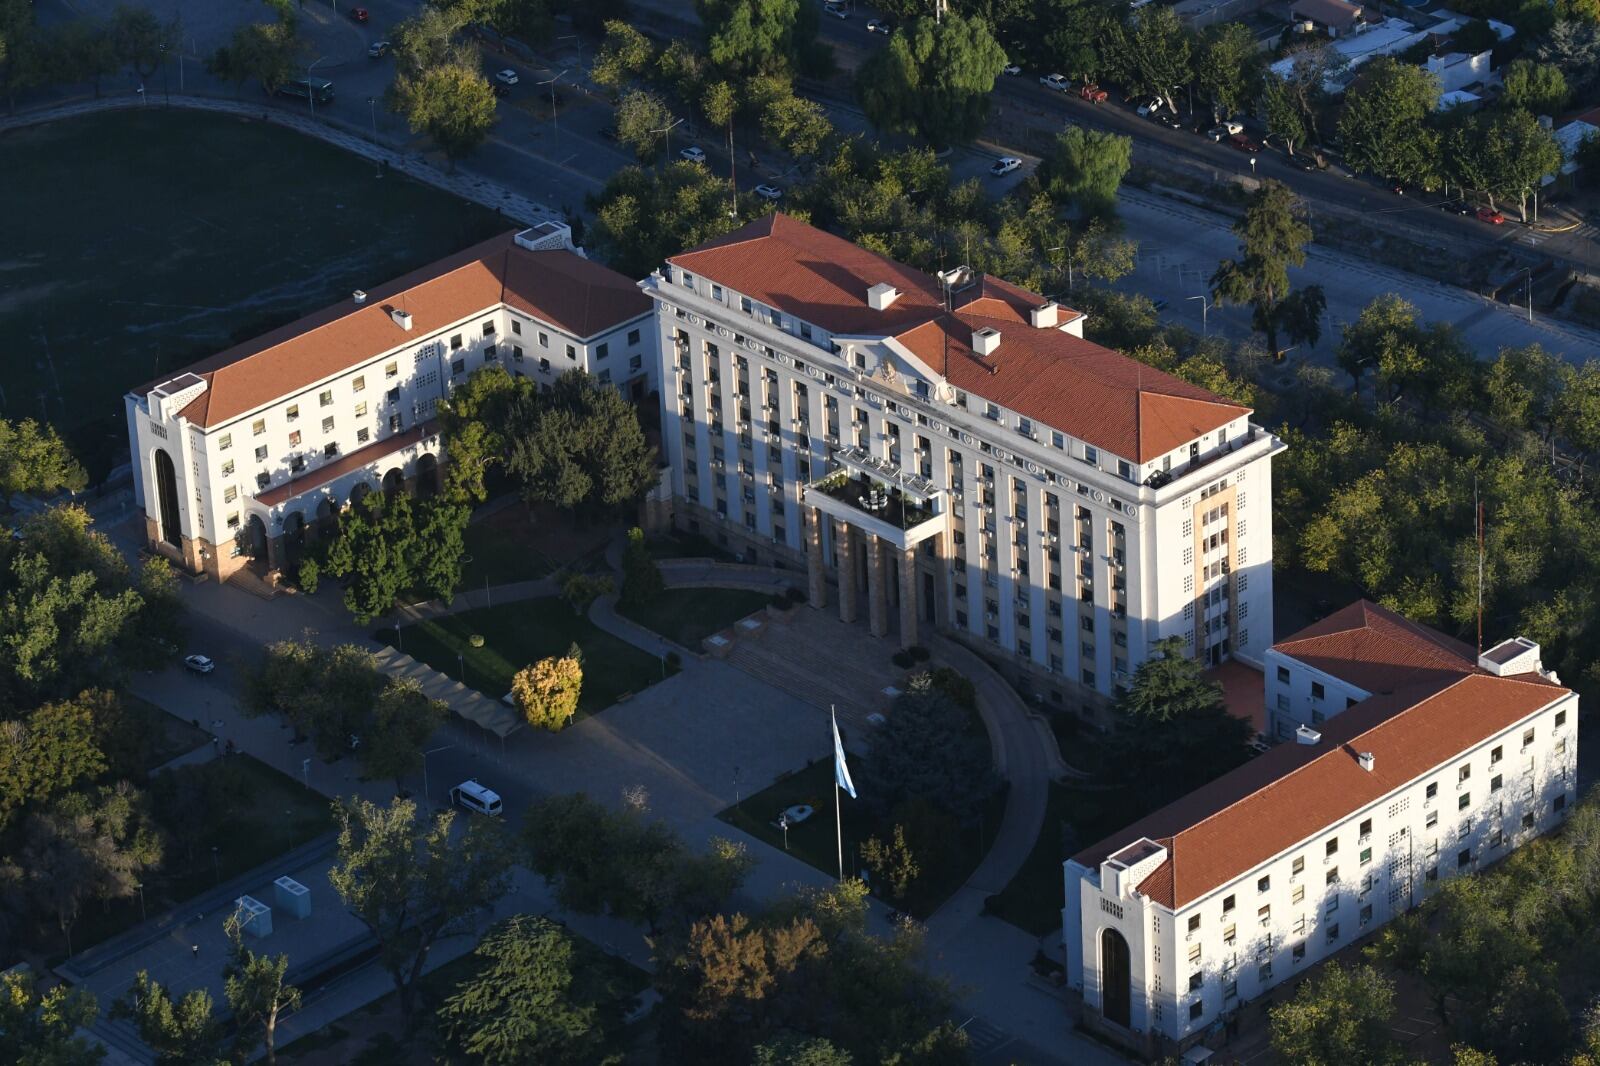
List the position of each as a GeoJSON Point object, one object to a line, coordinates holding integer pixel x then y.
{"type": "Point", "coordinates": [816, 577]}
{"type": "Point", "coordinates": [908, 597]}
{"type": "Point", "coordinates": [877, 592]}
{"type": "Point", "coordinates": [844, 544]}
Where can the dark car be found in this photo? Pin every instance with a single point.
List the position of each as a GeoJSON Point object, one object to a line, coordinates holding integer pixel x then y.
{"type": "Point", "coordinates": [359, 14]}
{"type": "Point", "coordinates": [378, 49]}
{"type": "Point", "coordinates": [1456, 207]}
{"type": "Point", "coordinates": [1243, 143]}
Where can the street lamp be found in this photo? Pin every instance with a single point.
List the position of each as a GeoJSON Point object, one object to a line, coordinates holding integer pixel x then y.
{"type": "Point", "coordinates": [1205, 305]}
{"type": "Point", "coordinates": [372, 109]}
{"type": "Point", "coordinates": [668, 133]}
{"type": "Point", "coordinates": [216, 864]}
{"type": "Point", "coordinates": [166, 83]}
{"type": "Point", "coordinates": [140, 886]}
{"type": "Point", "coordinates": [1252, 166]}
{"type": "Point", "coordinates": [143, 99]}
{"type": "Point", "coordinates": [311, 93]}
{"type": "Point", "coordinates": [552, 83]}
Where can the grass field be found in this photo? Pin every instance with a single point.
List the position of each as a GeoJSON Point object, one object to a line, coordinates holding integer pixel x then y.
{"type": "Point", "coordinates": [139, 241]}
{"type": "Point", "coordinates": [520, 633]}
{"type": "Point", "coordinates": [688, 616]}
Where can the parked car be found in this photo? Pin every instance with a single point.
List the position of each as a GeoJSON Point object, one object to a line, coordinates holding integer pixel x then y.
{"type": "Point", "coordinates": [1491, 216]}
{"type": "Point", "coordinates": [692, 154]}
{"type": "Point", "coordinates": [1223, 130]}
{"type": "Point", "coordinates": [1058, 82]}
{"type": "Point", "coordinates": [1005, 165]}
{"type": "Point", "coordinates": [1456, 207]}
{"type": "Point", "coordinates": [506, 77]}
{"type": "Point", "coordinates": [378, 49]}
{"type": "Point", "coordinates": [1243, 143]}
{"type": "Point", "coordinates": [1150, 109]}
{"type": "Point", "coordinates": [1093, 93]}
{"type": "Point", "coordinates": [1011, 70]}
{"type": "Point", "coordinates": [359, 14]}
{"type": "Point", "coordinates": [880, 26]}
{"type": "Point", "coordinates": [475, 797]}
{"type": "Point", "coordinates": [1169, 120]}
{"type": "Point", "coordinates": [198, 664]}
{"type": "Point", "coordinates": [769, 192]}
{"type": "Point", "coordinates": [836, 11]}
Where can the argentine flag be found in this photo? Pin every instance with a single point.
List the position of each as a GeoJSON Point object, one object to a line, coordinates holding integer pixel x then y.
{"type": "Point", "coordinates": [841, 772]}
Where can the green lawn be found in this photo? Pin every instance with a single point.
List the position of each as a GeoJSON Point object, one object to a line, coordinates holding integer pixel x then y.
{"type": "Point", "coordinates": [207, 230]}
{"type": "Point", "coordinates": [521, 633]}
{"type": "Point", "coordinates": [162, 737]}
{"type": "Point", "coordinates": [499, 557]}
{"type": "Point", "coordinates": [1074, 819]}
{"type": "Point", "coordinates": [814, 841]}
{"type": "Point", "coordinates": [688, 616]}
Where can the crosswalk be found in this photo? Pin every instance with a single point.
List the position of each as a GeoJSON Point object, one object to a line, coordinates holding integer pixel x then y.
{"type": "Point", "coordinates": [1534, 238]}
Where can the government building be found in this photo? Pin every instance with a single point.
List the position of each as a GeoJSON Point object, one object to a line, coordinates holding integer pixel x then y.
{"type": "Point", "coordinates": [948, 452]}
{"type": "Point", "coordinates": [1410, 760]}
{"type": "Point", "coordinates": [244, 455]}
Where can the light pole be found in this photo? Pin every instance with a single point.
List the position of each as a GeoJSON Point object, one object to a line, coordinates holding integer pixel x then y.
{"type": "Point", "coordinates": [311, 92]}
{"type": "Point", "coordinates": [305, 772]}
{"type": "Point", "coordinates": [372, 109]}
{"type": "Point", "coordinates": [216, 865]}
{"type": "Point", "coordinates": [1529, 271]}
{"type": "Point", "coordinates": [427, 793]}
{"type": "Point", "coordinates": [554, 122]}
{"type": "Point", "coordinates": [1205, 305]}
{"type": "Point", "coordinates": [143, 99]}
{"type": "Point", "coordinates": [1252, 166]}
{"type": "Point", "coordinates": [668, 134]}
{"type": "Point", "coordinates": [166, 79]}
{"type": "Point", "coordinates": [462, 659]}
{"type": "Point", "coordinates": [140, 886]}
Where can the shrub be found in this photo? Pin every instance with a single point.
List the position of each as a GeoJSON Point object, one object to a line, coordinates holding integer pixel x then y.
{"type": "Point", "coordinates": [952, 684]}
{"type": "Point", "coordinates": [310, 575]}
{"type": "Point", "coordinates": [476, 640]}
{"type": "Point", "coordinates": [919, 653]}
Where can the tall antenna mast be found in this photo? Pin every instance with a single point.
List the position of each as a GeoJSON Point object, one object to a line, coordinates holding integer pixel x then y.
{"type": "Point", "coordinates": [1477, 506]}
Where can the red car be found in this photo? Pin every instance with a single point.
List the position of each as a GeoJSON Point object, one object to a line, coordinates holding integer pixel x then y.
{"type": "Point", "coordinates": [359, 14]}
{"type": "Point", "coordinates": [1093, 93]}
{"type": "Point", "coordinates": [1244, 144]}
{"type": "Point", "coordinates": [1491, 216]}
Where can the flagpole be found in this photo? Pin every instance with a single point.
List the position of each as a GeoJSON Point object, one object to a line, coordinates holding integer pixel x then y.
{"type": "Point", "coordinates": [838, 821]}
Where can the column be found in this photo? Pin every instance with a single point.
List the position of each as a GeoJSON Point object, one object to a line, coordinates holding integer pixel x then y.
{"type": "Point", "coordinates": [816, 577]}
{"type": "Point", "coordinates": [908, 597]}
{"type": "Point", "coordinates": [844, 544]}
{"type": "Point", "coordinates": [877, 593]}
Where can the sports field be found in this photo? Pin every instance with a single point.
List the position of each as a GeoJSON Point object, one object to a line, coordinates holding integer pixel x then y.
{"type": "Point", "coordinates": [135, 242]}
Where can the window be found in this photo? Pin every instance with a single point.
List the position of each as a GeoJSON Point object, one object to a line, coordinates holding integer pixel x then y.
{"type": "Point", "coordinates": [1332, 847]}
{"type": "Point", "coordinates": [325, 398]}
{"type": "Point", "coordinates": [1194, 922]}
{"type": "Point", "coordinates": [1194, 981]}
{"type": "Point", "coordinates": [330, 449]}
{"type": "Point", "coordinates": [1496, 755]}
{"type": "Point", "coordinates": [327, 424]}
{"type": "Point", "coordinates": [1299, 952]}
{"type": "Point", "coordinates": [1332, 877]}
{"type": "Point", "coordinates": [1227, 904]}
{"type": "Point", "coordinates": [230, 494]}
{"type": "Point", "coordinates": [233, 520]}
{"type": "Point", "coordinates": [1559, 803]}
{"type": "Point", "coordinates": [224, 442]}
{"type": "Point", "coordinates": [1333, 932]}
{"type": "Point", "coordinates": [455, 342]}
{"type": "Point", "coordinates": [1091, 454]}
{"type": "Point", "coordinates": [292, 412]}
{"type": "Point", "coordinates": [1366, 827]}
{"type": "Point", "coordinates": [544, 339]}
{"type": "Point", "coordinates": [1433, 789]}
{"type": "Point", "coordinates": [516, 326]}
{"type": "Point", "coordinates": [457, 366]}
{"type": "Point", "coordinates": [1230, 934]}
{"type": "Point", "coordinates": [1298, 895]}
{"type": "Point", "coordinates": [1299, 865]}
{"type": "Point", "coordinates": [391, 369]}
{"type": "Point", "coordinates": [1317, 691]}
{"type": "Point", "coordinates": [572, 353]}
{"type": "Point", "coordinates": [227, 468]}
{"type": "Point", "coordinates": [602, 350]}
{"type": "Point", "coordinates": [294, 438]}
{"type": "Point", "coordinates": [361, 409]}
{"type": "Point", "coordinates": [488, 329]}
{"type": "Point", "coordinates": [1495, 783]}
{"type": "Point", "coordinates": [1283, 674]}
{"type": "Point", "coordinates": [1264, 972]}
{"type": "Point", "coordinates": [1366, 856]}
{"type": "Point", "coordinates": [1463, 801]}
{"type": "Point", "coordinates": [393, 396]}
{"type": "Point", "coordinates": [1464, 773]}
{"type": "Point", "coordinates": [1561, 719]}
{"type": "Point", "coordinates": [261, 454]}
{"type": "Point", "coordinates": [1264, 914]}
{"type": "Point", "coordinates": [1527, 738]}
{"type": "Point", "coordinates": [633, 336]}
{"type": "Point", "coordinates": [258, 427]}
{"type": "Point", "coordinates": [362, 434]}
{"type": "Point", "coordinates": [1464, 858]}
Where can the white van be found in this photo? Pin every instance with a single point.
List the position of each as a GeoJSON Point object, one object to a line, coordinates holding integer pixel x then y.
{"type": "Point", "coordinates": [474, 797]}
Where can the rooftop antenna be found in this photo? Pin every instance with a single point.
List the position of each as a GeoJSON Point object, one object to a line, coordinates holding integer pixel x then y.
{"type": "Point", "coordinates": [1477, 506]}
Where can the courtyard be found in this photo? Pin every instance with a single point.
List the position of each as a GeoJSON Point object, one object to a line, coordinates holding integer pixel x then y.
{"type": "Point", "coordinates": [209, 230]}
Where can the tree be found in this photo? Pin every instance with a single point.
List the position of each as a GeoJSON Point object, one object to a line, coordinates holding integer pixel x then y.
{"type": "Point", "coordinates": [579, 446]}
{"type": "Point", "coordinates": [266, 52]}
{"type": "Point", "coordinates": [925, 751]}
{"type": "Point", "coordinates": [410, 884]}
{"type": "Point", "coordinates": [1284, 117]}
{"type": "Point", "coordinates": [183, 1032]}
{"type": "Point", "coordinates": [257, 994]}
{"type": "Point", "coordinates": [642, 217]}
{"type": "Point", "coordinates": [34, 460]}
{"type": "Point", "coordinates": [82, 49]}
{"type": "Point", "coordinates": [547, 692]}
{"type": "Point", "coordinates": [403, 718]}
{"type": "Point", "coordinates": [519, 1005]}
{"type": "Point", "coordinates": [1085, 168]}
{"type": "Point", "coordinates": [623, 55]}
{"type": "Point", "coordinates": [1521, 386]}
{"type": "Point", "coordinates": [642, 121]}
{"type": "Point", "coordinates": [441, 544]}
{"type": "Point", "coordinates": [933, 79]}
{"type": "Point", "coordinates": [1524, 152]}
{"type": "Point", "coordinates": [1407, 357]}
{"type": "Point", "coordinates": [326, 694]}
{"type": "Point", "coordinates": [141, 40]}
{"type": "Point", "coordinates": [1537, 87]}
{"type": "Point", "coordinates": [1384, 123]}
{"type": "Point", "coordinates": [641, 577]}
{"type": "Point", "coordinates": [750, 37]}
{"type": "Point", "coordinates": [432, 39]}
{"type": "Point", "coordinates": [1340, 1018]}
{"type": "Point", "coordinates": [891, 863]}
{"type": "Point", "coordinates": [1574, 48]}
{"type": "Point", "coordinates": [48, 753]}
{"type": "Point", "coordinates": [1272, 239]}
{"type": "Point", "coordinates": [453, 104]}
{"type": "Point", "coordinates": [1227, 67]}
{"type": "Point", "coordinates": [1160, 53]}
{"type": "Point", "coordinates": [800, 1051]}
{"type": "Point", "coordinates": [41, 1028]}
{"type": "Point", "coordinates": [793, 123]}
{"type": "Point", "coordinates": [1173, 730]}
{"type": "Point", "coordinates": [375, 547]}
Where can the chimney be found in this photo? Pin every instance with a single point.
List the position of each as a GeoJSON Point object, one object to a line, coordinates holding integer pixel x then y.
{"type": "Point", "coordinates": [1366, 760]}
{"type": "Point", "coordinates": [1045, 317]}
{"type": "Point", "coordinates": [359, 296]}
{"type": "Point", "coordinates": [401, 318]}
{"type": "Point", "coordinates": [1306, 735]}
{"type": "Point", "coordinates": [881, 295]}
{"type": "Point", "coordinates": [985, 341]}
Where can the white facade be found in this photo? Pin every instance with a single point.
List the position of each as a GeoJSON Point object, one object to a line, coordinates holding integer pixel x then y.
{"type": "Point", "coordinates": [1189, 965]}
{"type": "Point", "coordinates": [1049, 548]}
{"type": "Point", "coordinates": [1299, 694]}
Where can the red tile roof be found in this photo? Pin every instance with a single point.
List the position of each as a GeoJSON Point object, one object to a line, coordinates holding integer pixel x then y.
{"type": "Point", "coordinates": [560, 287]}
{"type": "Point", "coordinates": [344, 464]}
{"type": "Point", "coordinates": [1063, 381]}
{"type": "Point", "coordinates": [1288, 795]}
{"type": "Point", "coordinates": [1244, 692]}
{"type": "Point", "coordinates": [1377, 650]}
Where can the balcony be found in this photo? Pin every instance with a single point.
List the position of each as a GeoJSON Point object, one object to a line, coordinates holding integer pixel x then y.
{"type": "Point", "coordinates": [873, 505]}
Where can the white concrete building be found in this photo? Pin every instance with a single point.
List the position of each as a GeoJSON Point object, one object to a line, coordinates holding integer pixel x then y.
{"type": "Point", "coordinates": [1428, 764]}
{"type": "Point", "coordinates": [239, 456]}
{"type": "Point", "coordinates": [949, 451]}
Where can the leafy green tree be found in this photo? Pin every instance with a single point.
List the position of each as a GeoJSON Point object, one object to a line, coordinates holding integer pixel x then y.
{"type": "Point", "coordinates": [793, 1050]}
{"type": "Point", "coordinates": [1173, 730]}
{"type": "Point", "coordinates": [1069, 41]}
{"type": "Point", "coordinates": [625, 863]}
{"type": "Point", "coordinates": [403, 718]}
{"type": "Point", "coordinates": [926, 751]}
{"type": "Point", "coordinates": [453, 104]}
{"type": "Point", "coordinates": [1085, 168]}
{"type": "Point", "coordinates": [82, 50]}
{"type": "Point", "coordinates": [41, 1028]}
{"type": "Point", "coordinates": [1537, 87]}
{"type": "Point", "coordinates": [410, 883]}
{"type": "Point", "coordinates": [642, 217]}
{"type": "Point", "coordinates": [750, 37]}
{"type": "Point", "coordinates": [441, 545]}
{"type": "Point", "coordinates": [326, 694]}
{"type": "Point", "coordinates": [642, 121]}
{"type": "Point", "coordinates": [265, 52]}
{"type": "Point", "coordinates": [579, 445]}
{"type": "Point", "coordinates": [1161, 54]}
{"type": "Point", "coordinates": [547, 692]}
{"type": "Point", "coordinates": [797, 125]}
{"type": "Point", "coordinates": [933, 79]}
{"type": "Point", "coordinates": [892, 863]}
{"type": "Point", "coordinates": [47, 753]}
{"type": "Point", "coordinates": [520, 1006]}
{"type": "Point", "coordinates": [1390, 339]}
{"type": "Point", "coordinates": [641, 577]}
{"type": "Point", "coordinates": [1272, 239]}
{"type": "Point", "coordinates": [1573, 47]}
{"type": "Point", "coordinates": [433, 38]}
{"type": "Point", "coordinates": [376, 549]}
{"type": "Point", "coordinates": [1340, 1018]}
{"type": "Point", "coordinates": [1284, 117]}
{"type": "Point", "coordinates": [182, 1032]}
{"type": "Point", "coordinates": [257, 993]}
{"type": "Point", "coordinates": [35, 460]}
{"type": "Point", "coordinates": [1521, 386]}
{"type": "Point", "coordinates": [624, 54]}
{"type": "Point", "coordinates": [1577, 408]}
{"type": "Point", "coordinates": [1227, 67]}
{"type": "Point", "coordinates": [1385, 121]}
{"type": "Point", "coordinates": [141, 40]}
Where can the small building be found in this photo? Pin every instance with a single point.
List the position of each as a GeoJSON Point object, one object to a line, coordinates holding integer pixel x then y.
{"type": "Point", "coordinates": [1335, 17]}
{"type": "Point", "coordinates": [1457, 70]}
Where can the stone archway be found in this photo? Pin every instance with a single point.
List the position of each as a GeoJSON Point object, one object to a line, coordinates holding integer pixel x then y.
{"type": "Point", "coordinates": [255, 541]}
{"type": "Point", "coordinates": [428, 475]}
{"type": "Point", "coordinates": [1116, 977]}
{"type": "Point", "coordinates": [394, 482]}
{"type": "Point", "coordinates": [359, 492]}
{"type": "Point", "coordinates": [326, 523]}
{"type": "Point", "coordinates": [294, 537]}
{"type": "Point", "coordinates": [167, 499]}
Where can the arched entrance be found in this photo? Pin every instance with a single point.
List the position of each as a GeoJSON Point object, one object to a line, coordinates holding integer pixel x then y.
{"type": "Point", "coordinates": [1115, 978]}
{"type": "Point", "coordinates": [294, 537]}
{"type": "Point", "coordinates": [255, 540]}
{"type": "Point", "coordinates": [359, 493]}
{"type": "Point", "coordinates": [325, 519]}
{"type": "Point", "coordinates": [428, 475]}
{"type": "Point", "coordinates": [394, 482]}
{"type": "Point", "coordinates": [167, 499]}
